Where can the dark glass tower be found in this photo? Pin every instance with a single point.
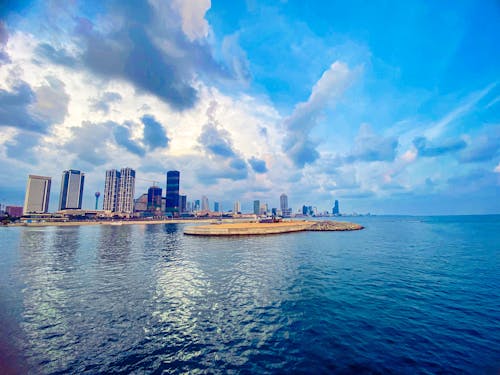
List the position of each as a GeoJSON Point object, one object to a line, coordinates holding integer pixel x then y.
{"type": "Point", "coordinates": [154, 199]}
{"type": "Point", "coordinates": [172, 203]}
{"type": "Point", "coordinates": [335, 210]}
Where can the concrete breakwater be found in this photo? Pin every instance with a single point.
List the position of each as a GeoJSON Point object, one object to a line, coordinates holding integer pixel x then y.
{"type": "Point", "coordinates": [268, 228]}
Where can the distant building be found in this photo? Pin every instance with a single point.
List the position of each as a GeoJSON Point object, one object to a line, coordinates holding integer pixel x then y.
{"type": "Point", "coordinates": [111, 188]}
{"type": "Point", "coordinates": [189, 206]}
{"type": "Point", "coordinates": [263, 209]}
{"type": "Point", "coordinates": [335, 209]}
{"type": "Point", "coordinates": [14, 211]}
{"type": "Point", "coordinates": [141, 203]}
{"type": "Point", "coordinates": [205, 206]}
{"type": "Point", "coordinates": [154, 199]}
{"type": "Point", "coordinates": [256, 207]}
{"type": "Point", "coordinates": [36, 199]}
{"type": "Point", "coordinates": [283, 202]}
{"type": "Point", "coordinates": [196, 205]}
{"type": "Point", "coordinates": [216, 207]}
{"type": "Point", "coordinates": [126, 191]}
{"type": "Point", "coordinates": [237, 207]}
{"type": "Point", "coordinates": [183, 203]}
{"type": "Point", "coordinates": [71, 190]}
{"type": "Point", "coordinates": [172, 194]}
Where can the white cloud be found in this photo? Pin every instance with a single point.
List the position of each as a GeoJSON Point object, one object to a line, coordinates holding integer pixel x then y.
{"type": "Point", "coordinates": [192, 13]}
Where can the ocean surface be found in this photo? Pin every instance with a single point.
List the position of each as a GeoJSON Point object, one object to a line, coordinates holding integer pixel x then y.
{"type": "Point", "coordinates": [405, 295]}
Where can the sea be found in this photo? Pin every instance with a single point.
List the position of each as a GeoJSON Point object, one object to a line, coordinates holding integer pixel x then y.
{"type": "Point", "coordinates": [405, 295]}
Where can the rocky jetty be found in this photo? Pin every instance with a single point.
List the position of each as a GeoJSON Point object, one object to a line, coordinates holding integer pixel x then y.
{"type": "Point", "coordinates": [334, 226]}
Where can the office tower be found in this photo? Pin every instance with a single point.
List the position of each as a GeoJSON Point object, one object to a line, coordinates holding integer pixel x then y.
{"type": "Point", "coordinates": [204, 204]}
{"type": "Point", "coordinates": [196, 205]}
{"type": "Point", "coordinates": [283, 202]}
{"type": "Point", "coordinates": [237, 207]}
{"type": "Point", "coordinates": [37, 195]}
{"type": "Point", "coordinates": [263, 209]}
{"type": "Point", "coordinates": [126, 191]}
{"type": "Point", "coordinates": [256, 207]}
{"type": "Point", "coordinates": [71, 190]}
{"type": "Point", "coordinates": [335, 209]}
{"type": "Point", "coordinates": [173, 180]}
{"type": "Point", "coordinates": [216, 207]}
{"type": "Point", "coordinates": [183, 203]}
{"type": "Point", "coordinates": [111, 188]}
{"type": "Point", "coordinates": [154, 199]}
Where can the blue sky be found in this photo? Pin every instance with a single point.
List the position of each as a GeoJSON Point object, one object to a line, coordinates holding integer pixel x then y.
{"type": "Point", "coordinates": [390, 107]}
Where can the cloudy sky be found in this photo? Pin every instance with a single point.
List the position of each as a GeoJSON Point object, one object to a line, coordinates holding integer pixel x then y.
{"type": "Point", "coordinates": [387, 106]}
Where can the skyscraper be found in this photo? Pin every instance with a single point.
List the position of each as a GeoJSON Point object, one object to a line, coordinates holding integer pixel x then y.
{"type": "Point", "coordinates": [154, 199]}
{"type": "Point", "coordinates": [183, 203]}
{"type": "Point", "coordinates": [335, 209]}
{"type": "Point", "coordinates": [71, 190]}
{"type": "Point", "coordinates": [256, 207]}
{"type": "Point", "coordinates": [204, 204]}
{"type": "Point", "coordinates": [111, 188]}
{"type": "Point", "coordinates": [283, 202]}
{"type": "Point", "coordinates": [196, 205]}
{"type": "Point", "coordinates": [37, 195]}
{"type": "Point", "coordinates": [216, 207]}
{"type": "Point", "coordinates": [126, 191]}
{"type": "Point", "coordinates": [237, 207]}
{"type": "Point", "coordinates": [173, 181]}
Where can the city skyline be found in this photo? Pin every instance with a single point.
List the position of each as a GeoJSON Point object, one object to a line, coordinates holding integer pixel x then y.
{"type": "Point", "coordinates": [399, 119]}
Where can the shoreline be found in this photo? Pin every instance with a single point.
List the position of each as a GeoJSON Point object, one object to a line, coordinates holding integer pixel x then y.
{"type": "Point", "coordinates": [106, 222]}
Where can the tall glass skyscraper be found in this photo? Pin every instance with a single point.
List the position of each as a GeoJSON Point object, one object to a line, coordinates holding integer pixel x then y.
{"type": "Point", "coordinates": [37, 195]}
{"type": "Point", "coordinates": [335, 209]}
{"type": "Point", "coordinates": [71, 190]}
{"type": "Point", "coordinates": [173, 181]}
{"type": "Point", "coordinates": [256, 207]}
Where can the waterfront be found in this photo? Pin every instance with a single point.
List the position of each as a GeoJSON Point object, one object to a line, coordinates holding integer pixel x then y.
{"type": "Point", "coordinates": [406, 294]}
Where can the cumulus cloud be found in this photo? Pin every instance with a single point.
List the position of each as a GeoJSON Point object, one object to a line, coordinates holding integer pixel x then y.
{"type": "Point", "coordinates": [482, 148]}
{"type": "Point", "coordinates": [192, 13]}
{"type": "Point", "coordinates": [89, 142]}
{"type": "Point", "coordinates": [15, 109]}
{"type": "Point", "coordinates": [154, 133]}
{"type": "Point", "coordinates": [123, 138]}
{"type": "Point", "coordinates": [57, 56]}
{"type": "Point", "coordinates": [258, 165]}
{"type": "Point", "coordinates": [102, 104]}
{"type": "Point", "coordinates": [427, 149]}
{"type": "Point", "coordinates": [297, 143]}
{"type": "Point", "coordinates": [52, 101]}
{"type": "Point", "coordinates": [21, 147]}
{"type": "Point", "coordinates": [4, 38]}
{"type": "Point", "coordinates": [369, 146]}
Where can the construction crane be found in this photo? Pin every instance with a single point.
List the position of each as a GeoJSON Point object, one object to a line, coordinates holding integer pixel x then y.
{"type": "Point", "coordinates": [155, 183]}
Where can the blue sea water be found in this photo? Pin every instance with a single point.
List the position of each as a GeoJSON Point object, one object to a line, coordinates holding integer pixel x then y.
{"type": "Point", "coordinates": [405, 295]}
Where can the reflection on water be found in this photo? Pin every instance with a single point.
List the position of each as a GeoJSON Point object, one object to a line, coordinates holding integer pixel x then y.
{"type": "Point", "coordinates": [399, 296]}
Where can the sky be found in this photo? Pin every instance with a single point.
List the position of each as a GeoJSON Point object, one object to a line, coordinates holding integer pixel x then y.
{"type": "Point", "coordinates": [390, 107]}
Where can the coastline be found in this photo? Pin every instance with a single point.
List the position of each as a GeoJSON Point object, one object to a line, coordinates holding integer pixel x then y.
{"type": "Point", "coordinates": [106, 222]}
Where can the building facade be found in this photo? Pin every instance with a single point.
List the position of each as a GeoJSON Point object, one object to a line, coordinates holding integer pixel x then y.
{"type": "Point", "coordinates": [335, 209]}
{"type": "Point", "coordinates": [216, 207]}
{"type": "Point", "coordinates": [36, 199]}
{"type": "Point", "coordinates": [111, 188]}
{"type": "Point", "coordinates": [283, 202]}
{"type": "Point", "coordinates": [154, 199]}
{"type": "Point", "coordinates": [14, 211]}
{"type": "Point", "coordinates": [205, 206]}
{"type": "Point", "coordinates": [183, 203]}
{"type": "Point", "coordinates": [126, 191]}
{"type": "Point", "coordinates": [71, 190]}
{"type": "Point", "coordinates": [256, 207]}
{"type": "Point", "coordinates": [237, 207]}
{"type": "Point", "coordinates": [172, 194]}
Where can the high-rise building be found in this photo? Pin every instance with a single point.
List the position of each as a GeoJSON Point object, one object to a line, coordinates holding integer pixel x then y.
{"type": "Point", "coordinates": [283, 202]}
{"type": "Point", "coordinates": [37, 195]}
{"type": "Point", "coordinates": [71, 190]}
{"type": "Point", "coordinates": [141, 203]}
{"type": "Point", "coordinates": [237, 207]}
{"type": "Point", "coordinates": [111, 188]}
{"type": "Point", "coordinates": [183, 203]}
{"type": "Point", "coordinates": [196, 205]}
{"type": "Point", "coordinates": [335, 209]}
{"type": "Point", "coordinates": [126, 191]}
{"type": "Point", "coordinates": [256, 207]}
{"type": "Point", "coordinates": [205, 206]}
{"type": "Point", "coordinates": [154, 199]}
{"type": "Point", "coordinates": [173, 181]}
{"type": "Point", "coordinates": [216, 207]}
